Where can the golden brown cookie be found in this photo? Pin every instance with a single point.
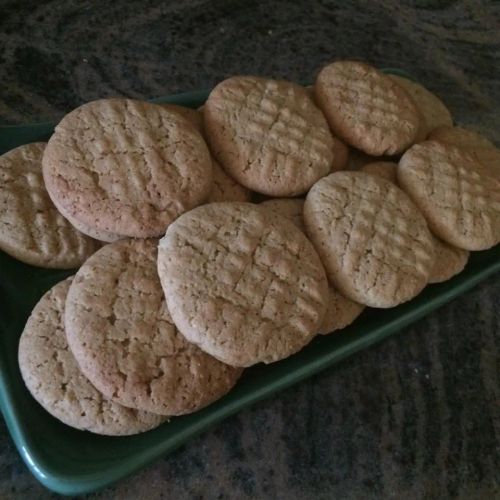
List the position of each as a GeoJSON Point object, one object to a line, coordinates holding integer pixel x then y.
{"type": "Point", "coordinates": [385, 169]}
{"type": "Point", "coordinates": [193, 116]}
{"type": "Point", "coordinates": [31, 228]}
{"type": "Point", "coordinates": [126, 167]}
{"type": "Point", "coordinates": [268, 135]}
{"type": "Point", "coordinates": [123, 338]}
{"type": "Point", "coordinates": [458, 196]}
{"type": "Point", "coordinates": [340, 155]}
{"type": "Point", "coordinates": [365, 108]}
{"type": "Point", "coordinates": [449, 260]}
{"type": "Point", "coordinates": [225, 188]}
{"type": "Point", "coordinates": [340, 311]}
{"type": "Point", "coordinates": [243, 286]}
{"type": "Point", "coordinates": [53, 377]}
{"type": "Point", "coordinates": [372, 240]}
{"type": "Point", "coordinates": [472, 142]}
{"type": "Point", "coordinates": [433, 112]}
{"type": "Point", "coordinates": [290, 208]}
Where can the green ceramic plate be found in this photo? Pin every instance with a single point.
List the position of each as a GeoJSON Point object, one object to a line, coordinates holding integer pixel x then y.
{"type": "Point", "coordinates": [72, 462]}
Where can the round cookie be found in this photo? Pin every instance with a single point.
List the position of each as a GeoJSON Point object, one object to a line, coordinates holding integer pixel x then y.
{"type": "Point", "coordinates": [193, 116]}
{"type": "Point", "coordinates": [51, 374]}
{"type": "Point", "coordinates": [433, 112]}
{"type": "Point", "coordinates": [126, 167]}
{"type": "Point", "coordinates": [268, 135]}
{"type": "Point", "coordinates": [340, 311]}
{"type": "Point", "coordinates": [456, 193]}
{"type": "Point", "coordinates": [290, 208]}
{"type": "Point", "coordinates": [365, 108]}
{"type": "Point", "coordinates": [121, 333]}
{"type": "Point", "coordinates": [31, 228]}
{"type": "Point", "coordinates": [449, 260]}
{"type": "Point", "coordinates": [96, 234]}
{"type": "Point", "coordinates": [474, 143]}
{"type": "Point", "coordinates": [372, 240]}
{"type": "Point", "coordinates": [245, 287]}
{"type": "Point", "coordinates": [225, 188]}
{"type": "Point", "coordinates": [385, 169]}
{"type": "Point", "coordinates": [340, 155]}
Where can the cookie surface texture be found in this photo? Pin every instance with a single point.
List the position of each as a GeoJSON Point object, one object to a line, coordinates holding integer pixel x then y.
{"type": "Point", "coordinates": [244, 286]}
{"type": "Point", "coordinates": [225, 188]}
{"type": "Point", "coordinates": [122, 335]}
{"type": "Point", "coordinates": [52, 375]}
{"type": "Point", "coordinates": [340, 312]}
{"type": "Point", "coordinates": [449, 261]}
{"type": "Point", "coordinates": [433, 111]}
{"type": "Point", "coordinates": [268, 135]}
{"type": "Point", "coordinates": [458, 196]}
{"type": "Point", "coordinates": [290, 208]}
{"type": "Point", "coordinates": [372, 240]}
{"type": "Point", "coordinates": [31, 228]}
{"type": "Point", "coordinates": [385, 169]}
{"type": "Point", "coordinates": [473, 142]}
{"type": "Point", "coordinates": [366, 109]}
{"type": "Point", "coordinates": [126, 167]}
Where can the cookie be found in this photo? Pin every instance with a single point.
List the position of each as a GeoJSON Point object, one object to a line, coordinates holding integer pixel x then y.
{"type": "Point", "coordinates": [456, 193]}
{"type": "Point", "coordinates": [474, 143]}
{"type": "Point", "coordinates": [365, 108]}
{"type": "Point", "coordinates": [372, 240]}
{"type": "Point", "coordinates": [340, 311]}
{"type": "Point", "coordinates": [225, 188]}
{"type": "Point", "coordinates": [243, 286]}
{"type": "Point", "coordinates": [433, 112]}
{"type": "Point", "coordinates": [126, 167]}
{"type": "Point", "coordinates": [31, 228]}
{"type": "Point", "coordinates": [268, 135]}
{"type": "Point", "coordinates": [121, 333]}
{"type": "Point", "coordinates": [290, 208]}
{"type": "Point", "coordinates": [94, 233]}
{"type": "Point", "coordinates": [385, 169]}
{"type": "Point", "coordinates": [340, 155]}
{"type": "Point", "coordinates": [51, 374]}
{"type": "Point", "coordinates": [193, 116]}
{"type": "Point", "coordinates": [449, 260]}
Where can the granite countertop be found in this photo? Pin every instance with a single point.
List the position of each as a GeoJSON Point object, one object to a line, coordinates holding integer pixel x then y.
{"type": "Point", "coordinates": [415, 417]}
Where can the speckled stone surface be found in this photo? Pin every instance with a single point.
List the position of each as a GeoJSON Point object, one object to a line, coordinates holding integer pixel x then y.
{"type": "Point", "coordinates": [415, 417]}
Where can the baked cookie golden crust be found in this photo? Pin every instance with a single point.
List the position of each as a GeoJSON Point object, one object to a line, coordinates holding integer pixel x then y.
{"type": "Point", "coordinates": [474, 143]}
{"type": "Point", "coordinates": [53, 377]}
{"type": "Point", "coordinates": [366, 109]}
{"type": "Point", "coordinates": [458, 196]}
{"type": "Point", "coordinates": [126, 167]}
{"type": "Point", "coordinates": [268, 135]}
{"type": "Point", "coordinates": [372, 240]}
{"type": "Point", "coordinates": [31, 228]}
{"type": "Point", "coordinates": [385, 169]}
{"type": "Point", "coordinates": [122, 335]}
{"type": "Point", "coordinates": [449, 260]}
{"type": "Point", "coordinates": [243, 286]}
{"type": "Point", "coordinates": [433, 112]}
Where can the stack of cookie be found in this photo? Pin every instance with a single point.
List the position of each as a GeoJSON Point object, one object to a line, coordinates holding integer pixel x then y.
{"type": "Point", "coordinates": [370, 194]}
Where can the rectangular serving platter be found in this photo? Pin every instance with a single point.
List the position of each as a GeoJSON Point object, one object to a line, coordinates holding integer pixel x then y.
{"type": "Point", "coordinates": [73, 462]}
